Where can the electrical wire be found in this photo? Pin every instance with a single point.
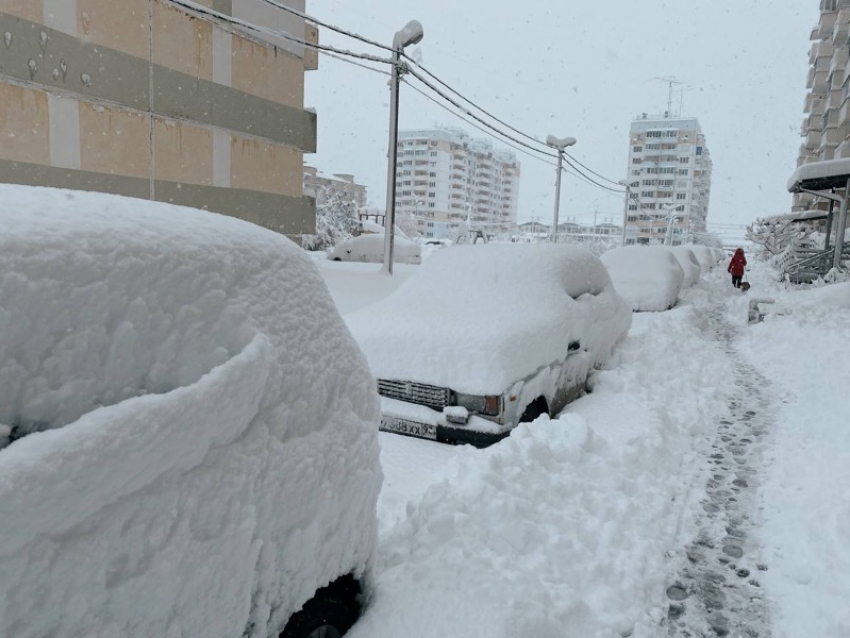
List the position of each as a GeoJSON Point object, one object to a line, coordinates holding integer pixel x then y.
{"type": "Point", "coordinates": [325, 25]}
{"type": "Point", "coordinates": [476, 126]}
{"type": "Point", "coordinates": [216, 16]}
{"type": "Point", "coordinates": [592, 171]}
{"type": "Point", "coordinates": [454, 103]}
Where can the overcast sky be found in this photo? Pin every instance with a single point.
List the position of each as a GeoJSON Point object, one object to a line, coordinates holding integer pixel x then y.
{"type": "Point", "coordinates": [583, 69]}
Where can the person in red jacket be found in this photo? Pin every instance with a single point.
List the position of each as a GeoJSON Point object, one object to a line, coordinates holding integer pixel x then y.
{"type": "Point", "coordinates": [736, 267]}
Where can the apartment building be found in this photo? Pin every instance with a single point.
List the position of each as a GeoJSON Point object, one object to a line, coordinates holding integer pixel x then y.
{"type": "Point", "coordinates": [826, 108]}
{"type": "Point", "coordinates": [445, 178]}
{"type": "Point", "coordinates": [669, 174]}
{"type": "Point", "coordinates": [161, 99]}
{"type": "Point", "coordinates": [321, 187]}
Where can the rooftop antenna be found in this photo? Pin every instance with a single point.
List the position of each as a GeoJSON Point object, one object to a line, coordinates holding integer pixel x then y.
{"type": "Point", "coordinates": [670, 80]}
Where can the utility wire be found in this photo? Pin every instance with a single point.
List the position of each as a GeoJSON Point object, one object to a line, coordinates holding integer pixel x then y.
{"type": "Point", "coordinates": [467, 112]}
{"type": "Point", "coordinates": [476, 126]}
{"type": "Point", "coordinates": [215, 16]}
{"type": "Point", "coordinates": [591, 170]}
{"type": "Point", "coordinates": [325, 25]}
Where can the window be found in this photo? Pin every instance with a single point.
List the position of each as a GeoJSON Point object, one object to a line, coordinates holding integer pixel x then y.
{"type": "Point", "coordinates": [416, 152]}
{"type": "Point", "coordinates": [646, 194]}
{"type": "Point", "coordinates": [681, 196]}
{"type": "Point", "coordinates": [653, 147]}
{"type": "Point", "coordinates": [405, 193]}
{"type": "Point", "coordinates": [432, 174]}
{"type": "Point", "coordinates": [406, 183]}
{"type": "Point", "coordinates": [683, 171]}
{"type": "Point", "coordinates": [432, 194]}
{"type": "Point", "coordinates": [637, 172]}
{"type": "Point", "coordinates": [636, 160]}
{"type": "Point", "coordinates": [432, 205]}
{"type": "Point", "coordinates": [433, 153]}
{"type": "Point", "coordinates": [653, 133]}
{"type": "Point", "coordinates": [699, 150]}
{"type": "Point", "coordinates": [684, 160]}
{"type": "Point", "coordinates": [637, 149]}
{"type": "Point", "coordinates": [432, 184]}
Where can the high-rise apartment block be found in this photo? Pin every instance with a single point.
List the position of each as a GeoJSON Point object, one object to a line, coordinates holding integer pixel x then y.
{"type": "Point", "coordinates": [826, 124]}
{"type": "Point", "coordinates": [669, 176]}
{"type": "Point", "coordinates": [445, 178]}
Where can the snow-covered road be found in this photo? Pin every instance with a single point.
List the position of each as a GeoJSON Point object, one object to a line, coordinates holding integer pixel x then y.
{"type": "Point", "coordinates": [655, 506]}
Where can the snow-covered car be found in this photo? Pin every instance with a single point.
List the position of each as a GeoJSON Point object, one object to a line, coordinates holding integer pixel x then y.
{"type": "Point", "coordinates": [191, 442]}
{"type": "Point", "coordinates": [370, 248]}
{"type": "Point", "coordinates": [689, 263]}
{"type": "Point", "coordinates": [649, 278]}
{"type": "Point", "coordinates": [483, 337]}
{"type": "Point", "coordinates": [705, 255]}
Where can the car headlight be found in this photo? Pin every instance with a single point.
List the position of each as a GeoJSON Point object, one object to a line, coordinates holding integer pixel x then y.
{"type": "Point", "coordinates": [490, 405]}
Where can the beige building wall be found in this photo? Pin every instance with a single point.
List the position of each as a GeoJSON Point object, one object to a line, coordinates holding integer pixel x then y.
{"type": "Point", "coordinates": [148, 98]}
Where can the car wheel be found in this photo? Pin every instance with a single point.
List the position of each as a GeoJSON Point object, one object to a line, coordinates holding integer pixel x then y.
{"type": "Point", "coordinates": [336, 259]}
{"type": "Point", "coordinates": [534, 410]}
{"type": "Point", "coordinates": [320, 618]}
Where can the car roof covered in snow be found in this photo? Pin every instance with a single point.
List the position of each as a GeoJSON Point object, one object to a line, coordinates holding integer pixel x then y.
{"type": "Point", "coordinates": [478, 317]}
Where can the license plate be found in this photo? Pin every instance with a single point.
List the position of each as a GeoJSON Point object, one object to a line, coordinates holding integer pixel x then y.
{"type": "Point", "coordinates": [410, 428]}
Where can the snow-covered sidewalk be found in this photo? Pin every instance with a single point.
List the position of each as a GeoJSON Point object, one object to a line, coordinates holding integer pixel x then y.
{"type": "Point", "coordinates": [580, 526]}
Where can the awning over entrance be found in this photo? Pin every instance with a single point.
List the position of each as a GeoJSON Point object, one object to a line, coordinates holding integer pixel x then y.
{"type": "Point", "coordinates": [820, 176]}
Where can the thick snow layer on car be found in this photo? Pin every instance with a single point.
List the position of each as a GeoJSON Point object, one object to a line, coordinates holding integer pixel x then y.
{"type": "Point", "coordinates": [370, 248]}
{"type": "Point", "coordinates": [478, 318]}
{"type": "Point", "coordinates": [649, 278]}
{"type": "Point", "coordinates": [705, 255]}
{"type": "Point", "coordinates": [198, 448]}
{"type": "Point", "coordinates": [689, 263]}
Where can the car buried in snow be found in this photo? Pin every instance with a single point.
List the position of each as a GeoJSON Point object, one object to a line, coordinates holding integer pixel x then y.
{"type": "Point", "coordinates": [484, 337]}
{"type": "Point", "coordinates": [188, 432]}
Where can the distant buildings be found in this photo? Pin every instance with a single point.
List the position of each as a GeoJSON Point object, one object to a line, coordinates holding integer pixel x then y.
{"type": "Point", "coordinates": [322, 187]}
{"type": "Point", "coordinates": [669, 172]}
{"type": "Point", "coordinates": [445, 178]}
{"type": "Point", "coordinates": [826, 124]}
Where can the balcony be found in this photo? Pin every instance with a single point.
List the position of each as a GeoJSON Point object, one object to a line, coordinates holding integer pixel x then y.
{"type": "Point", "coordinates": [817, 80]}
{"type": "Point", "coordinates": [827, 24]}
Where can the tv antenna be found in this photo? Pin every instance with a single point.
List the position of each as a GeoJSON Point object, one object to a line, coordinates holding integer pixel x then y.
{"type": "Point", "coordinates": [671, 81]}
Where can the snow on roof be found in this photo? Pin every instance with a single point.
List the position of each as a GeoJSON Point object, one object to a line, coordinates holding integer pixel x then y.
{"type": "Point", "coordinates": [647, 277]}
{"type": "Point", "coordinates": [478, 318]}
{"type": "Point", "coordinates": [820, 175]}
{"type": "Point", "coordinates": [195, 403]}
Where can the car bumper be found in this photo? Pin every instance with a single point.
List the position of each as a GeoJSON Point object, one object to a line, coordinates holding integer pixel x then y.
{"type": "Point", "coordinates": [418, 421]}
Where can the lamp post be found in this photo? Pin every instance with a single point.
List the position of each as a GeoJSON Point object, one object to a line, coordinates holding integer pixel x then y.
{"type": "Point", "coordinates": [668, 235]}
{"type": "Point", "coordinates": [628, 188]}
{"type": "Point", "coordinates": [412, 33]}
{"type": "Point", "coordinates": [559, 145]}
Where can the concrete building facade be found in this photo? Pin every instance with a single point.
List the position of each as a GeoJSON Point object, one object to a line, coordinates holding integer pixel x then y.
{"type": "Point", "coordinates": [161, 100]}
{"type": "Point", "coordinates": [826, 108]}
{"type": "Point", "coordinates": [669, 173]}
{"type": "Point", "coordinates": [444, 178]}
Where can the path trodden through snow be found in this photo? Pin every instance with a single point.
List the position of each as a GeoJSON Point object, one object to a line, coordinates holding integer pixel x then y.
{"type": "Point", "coordinates": [717, 591]}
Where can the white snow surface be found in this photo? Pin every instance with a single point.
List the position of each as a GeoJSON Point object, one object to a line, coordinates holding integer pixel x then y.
{"type": "Point", "coordinates": [803, 349]}
{"type": "Point", "coordinates": [370, 248]}
{"type": "Point", "coordinates": [574, 527]}
{"type": "Point", "coordinates": [706, 256]}
{"type": "Point", "coordinates": [478, 318]}
{"type": "Point", "coordinates": [689, 263]}
{"type": "Point", "coordinates": [649, 278]}
{"type": "Point", "coordinates": [204, 454]}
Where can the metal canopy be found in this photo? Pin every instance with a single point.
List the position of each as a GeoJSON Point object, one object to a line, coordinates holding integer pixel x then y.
{"type": "Point", "coordinates": [820, 176]}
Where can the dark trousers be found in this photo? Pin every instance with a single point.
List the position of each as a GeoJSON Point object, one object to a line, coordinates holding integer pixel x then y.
{"type": "Point", "coordinates": [736, 280]}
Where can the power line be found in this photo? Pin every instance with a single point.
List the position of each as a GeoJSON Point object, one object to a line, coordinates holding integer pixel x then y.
{"type": "Point", "coordinates": [472, 115]}
{"type": "Point", "coordinates": [216, 16]}
{"type": "Point", "coordinates": [325, 25]}
{"type": "Point", "coordinates": [476, 126]}
{"type": "Point", "coordinates": [591, 170]}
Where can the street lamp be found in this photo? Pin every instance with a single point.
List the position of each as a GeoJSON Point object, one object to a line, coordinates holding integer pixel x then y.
{"type": "Point", "coordinates": [559, 145]}
{"type": "Point", "coordinates": [412, 33]}
{"type": "Point", "coordinates": [668, 235]}
{"type": "Point", "coordinates": [628, 188]}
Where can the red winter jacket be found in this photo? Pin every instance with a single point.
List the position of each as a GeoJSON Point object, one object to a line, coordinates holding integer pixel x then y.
{"type": "Point", "coordinates": [737, 263]}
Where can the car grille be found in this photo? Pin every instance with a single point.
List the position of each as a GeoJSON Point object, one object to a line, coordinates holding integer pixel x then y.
{"type": "Point", "coordinates": [431, 395]}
